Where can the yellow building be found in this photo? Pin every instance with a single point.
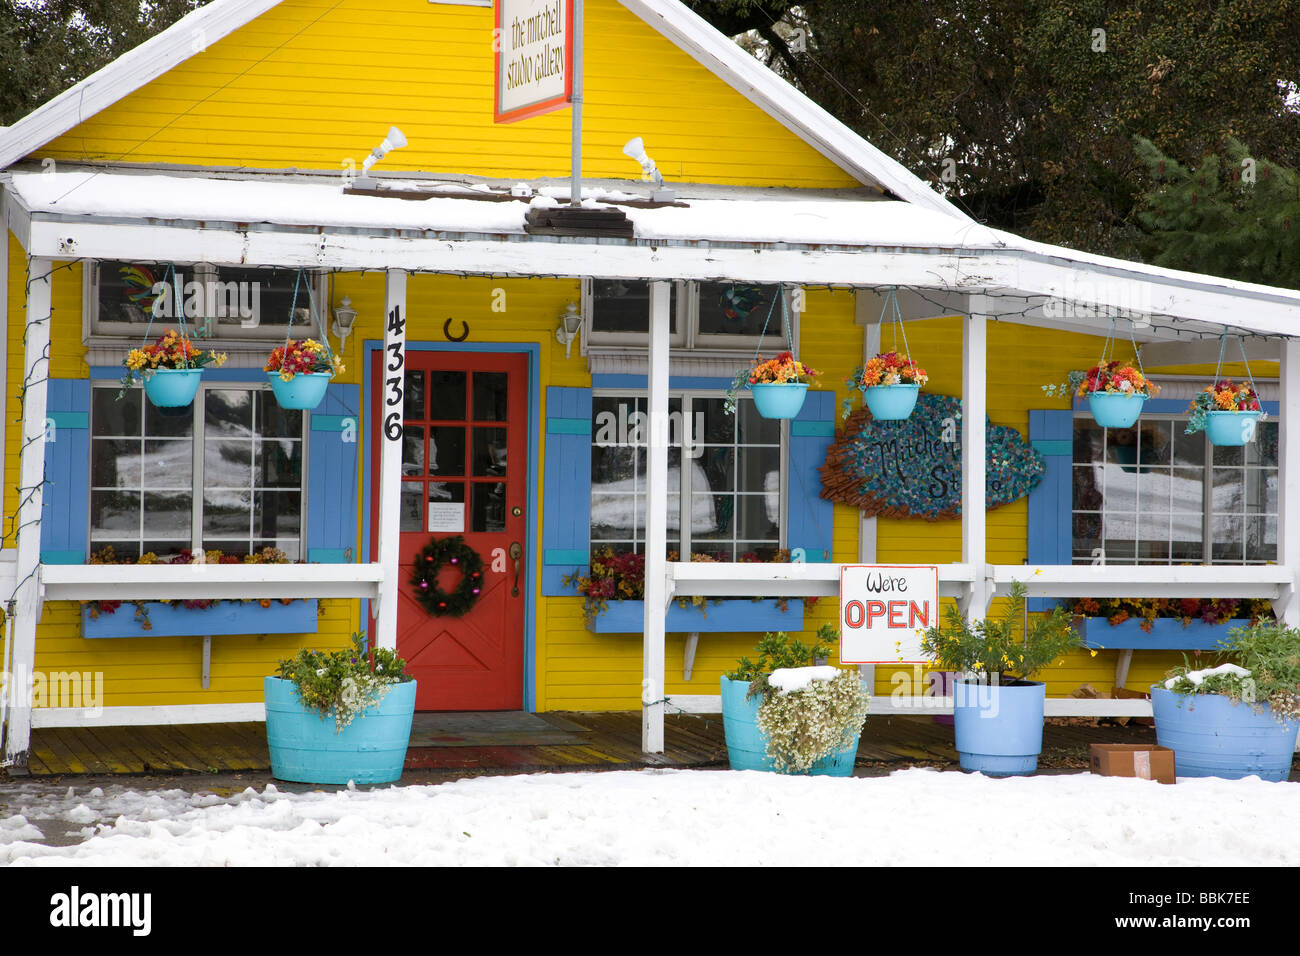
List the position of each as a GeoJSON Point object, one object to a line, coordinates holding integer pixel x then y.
{"type": "Point", "coordinates": [505, 354]}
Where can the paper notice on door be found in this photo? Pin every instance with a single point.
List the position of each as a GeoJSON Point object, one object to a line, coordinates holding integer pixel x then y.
{"type": "Point", "coordinates": [447, 516]}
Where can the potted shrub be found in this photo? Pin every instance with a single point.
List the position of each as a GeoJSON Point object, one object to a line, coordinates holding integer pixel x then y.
{"type": "Point", "coordinates": [299, 372]}
{"type": "Point", "coordinates": [1116, 393]}
{"type": "Point", "coordinates": [1227, 412]}
{"type": "Point", "coordinates": [785, 714]}
{"type": "Point", "coordinates": [340, 715]}
{"type": "Point", "coordinates": [779, 385]}
{"type": "Point", "coordinates": [170, 369]}
{"type": "Point", "coordinates": [997, 709]}
{"type": "Point", "coordinates": [889, 383]}
{"type": "Point", "coordinates": [1237, 719]}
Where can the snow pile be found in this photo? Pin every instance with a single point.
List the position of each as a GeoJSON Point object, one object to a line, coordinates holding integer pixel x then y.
{"type": "Point", "coordinates": [1197, 677]}
{"type": "Point", "coordinates": [681, 818]}
{"type": "Point", "coordinates": [789, 679]}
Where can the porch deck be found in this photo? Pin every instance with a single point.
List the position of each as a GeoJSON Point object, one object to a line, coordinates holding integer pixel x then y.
{"type": "Point", "coordinates": [475, 744]}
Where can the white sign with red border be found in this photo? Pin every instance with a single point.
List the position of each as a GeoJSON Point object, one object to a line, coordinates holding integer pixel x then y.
{"type": "Point", "coordinates": [884, 610]}
{"type": "Point", "coordinates": [533, 58]}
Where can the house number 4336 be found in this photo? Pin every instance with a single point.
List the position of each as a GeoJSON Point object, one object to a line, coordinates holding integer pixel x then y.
{"type": "Point", "coordinates": [393, 380]}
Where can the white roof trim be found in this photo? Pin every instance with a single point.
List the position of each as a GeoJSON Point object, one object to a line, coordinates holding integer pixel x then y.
{"type": "Point", "coordinates": [680, 26]}
{"type": "Point", "coordinates": [784, 103]}
{"type": "Point", "coordinates": [188, 36]}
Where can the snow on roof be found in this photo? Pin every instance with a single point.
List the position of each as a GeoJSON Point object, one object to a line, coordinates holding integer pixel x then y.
{"type": "Point", "coordinates": [749, 216]}
{"type": "Point", "coordinates": [690, 32]}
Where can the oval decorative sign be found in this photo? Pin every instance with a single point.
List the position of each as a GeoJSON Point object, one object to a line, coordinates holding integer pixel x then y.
{"type": "Point", "coordinates": [912, 468]}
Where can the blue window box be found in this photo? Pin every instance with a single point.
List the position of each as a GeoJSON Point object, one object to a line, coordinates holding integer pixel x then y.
{"type": "Point", "coordinates": [1167, 634]}
{"type": "Point", "coordinates": [728, 616]}
{"type": "Point", "coordinates": [226, 617]}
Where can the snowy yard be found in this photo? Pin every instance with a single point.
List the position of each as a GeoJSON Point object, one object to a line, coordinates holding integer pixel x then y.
{"type": "Point", "coordinates": [669, 818]}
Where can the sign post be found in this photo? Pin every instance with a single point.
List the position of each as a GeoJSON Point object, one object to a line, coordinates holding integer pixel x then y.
{"type": "Point", "coordinates": [884, 610]}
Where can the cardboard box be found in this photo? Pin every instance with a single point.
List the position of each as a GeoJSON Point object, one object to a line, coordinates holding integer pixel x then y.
{"type": "Point", "coordinates": [1146, 761]}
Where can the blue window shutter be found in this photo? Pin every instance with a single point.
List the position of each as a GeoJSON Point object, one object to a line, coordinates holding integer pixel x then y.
{"type": "Point", "coordinates": [65, 499]}
{"type": "Point", "coordinates": [810, 517]}
{"type": "Point", "coordinates": [566, 498]}
{"type": "Point", "coordinates": [332, 477]}
{"type": "Point", "coordinates": [1051, 433]}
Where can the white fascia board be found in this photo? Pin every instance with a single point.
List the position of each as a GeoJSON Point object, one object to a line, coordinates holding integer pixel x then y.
{"type": "Point", "coordinates": [710, 579]}
{"type": "Point", "coordinates": [792, 109]}
{"type": "Point", "coordinates": [145, 716]}
{"type": "Point", "coordinates": [160, 582]}
{"type": "Point", "coordinates": [187, 37]}
{"type": "Point", "coordinates": [17, 216]}
{"type": "Point", "coordinates": [1153, 581]}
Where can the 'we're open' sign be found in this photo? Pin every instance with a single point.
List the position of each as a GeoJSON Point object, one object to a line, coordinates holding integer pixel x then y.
{"type": "Point", "coordinates": [884, 610]}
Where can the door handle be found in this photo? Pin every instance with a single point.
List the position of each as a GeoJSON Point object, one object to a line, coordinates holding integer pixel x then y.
{"type": "Point", "coordinates": [515, 553]}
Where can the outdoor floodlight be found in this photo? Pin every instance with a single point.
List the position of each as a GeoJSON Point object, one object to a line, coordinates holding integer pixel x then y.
{"type": "Point", "coordinates": [636, 149]}
{"type": "Point", "coordinates": [394, 140]}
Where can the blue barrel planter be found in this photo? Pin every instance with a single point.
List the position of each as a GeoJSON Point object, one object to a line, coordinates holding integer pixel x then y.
{"type": "Point", "coordinates": [747, 745]}
{"type": "Point", "coordinates": [306, 748]}
{"type": "Point", "coordinates": [1116, 409]}
{"type": "Point", "coordinates": [1213, 737]}
{"type": "Point", "coordinates": [173, 387]}
{"type": "Point", "coordinates": [779, 399]}
{"type": "Point", "coordinates": [999, 727]}
{"type": "Point", "coordinates": [304, 391]}
{"type": "Point", "coordinates": [1231, 428]}
{"type": "Point", "coordinates": [891, 403]}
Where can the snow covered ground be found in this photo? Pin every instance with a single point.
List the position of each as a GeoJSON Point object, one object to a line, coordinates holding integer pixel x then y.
{"type": "Point", "coordinates": [668, 818]}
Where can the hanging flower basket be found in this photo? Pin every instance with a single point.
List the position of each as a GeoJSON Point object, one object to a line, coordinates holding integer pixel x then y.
{"type": "Point", "coordinates": [1228, 412]}
{"type": "Point", "coordinates": [300, 372]}
{"type": "Point", "coordinates": [890, 384]}
{"type": "Point", "coordinates": [170, 369]}
{"type": "Point", "coordinates": [779, 386]}
{"type": "Point", "coordinates": [1116, 393]}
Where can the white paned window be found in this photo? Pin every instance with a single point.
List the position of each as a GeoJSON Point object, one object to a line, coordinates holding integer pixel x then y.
{"type": "Point", "coordinates": [225, 473]}
{"type": "Point", "coordinates": [727, 469]}
{"type": "Point", "coordinates": [703, 315]}
{"type": "Point", "coordinates": [1155, 495]}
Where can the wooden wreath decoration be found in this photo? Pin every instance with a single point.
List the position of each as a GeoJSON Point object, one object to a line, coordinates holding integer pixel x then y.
{"type": "Point", "coordinates": [435, 556]}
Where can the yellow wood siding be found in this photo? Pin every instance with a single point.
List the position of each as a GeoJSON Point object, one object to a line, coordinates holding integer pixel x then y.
{"type": "Point", "coordinates": [313, 83]}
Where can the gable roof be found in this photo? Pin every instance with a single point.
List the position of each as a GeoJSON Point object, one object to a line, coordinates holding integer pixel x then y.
{"type": "Point", "coordinates": [680, 26]}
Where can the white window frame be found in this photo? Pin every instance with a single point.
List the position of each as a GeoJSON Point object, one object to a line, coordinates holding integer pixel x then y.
{"type": "Point", "coordinates": [93, 331]}
{"type": "Point", "coordinates": [685, 487]}
{"type": "Point", "coordinates": [687, 337]}
{"type": "Point", "coordinates": [197, 435]}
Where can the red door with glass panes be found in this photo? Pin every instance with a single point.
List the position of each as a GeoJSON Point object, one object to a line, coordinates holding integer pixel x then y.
{"type": "Point", "coordinates": [464, 472]}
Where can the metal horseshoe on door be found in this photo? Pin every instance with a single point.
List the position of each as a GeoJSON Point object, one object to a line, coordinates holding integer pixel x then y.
{"type": "Point", "coordinates": [464, 333]}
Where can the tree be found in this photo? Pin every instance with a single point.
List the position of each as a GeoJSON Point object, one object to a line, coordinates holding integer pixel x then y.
{"type": "Point", "coordinates": [1232, 217]}
{"type": "Point", "coordinates": [1024, 111]}
{"type": "Point", "coordinates": [48, 45]}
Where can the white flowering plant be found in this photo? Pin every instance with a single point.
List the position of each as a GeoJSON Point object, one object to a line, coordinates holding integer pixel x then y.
{"type": "Point", "coordinates": [344, 684]}
{"type": "Point", "coordinates": [806, 712]}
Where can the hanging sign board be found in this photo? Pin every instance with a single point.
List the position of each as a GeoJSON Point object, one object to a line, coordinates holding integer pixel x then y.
{"type": "Point", "coordinates": [533, 58]}
{"type": "Point", "coordinates": [884, 610]}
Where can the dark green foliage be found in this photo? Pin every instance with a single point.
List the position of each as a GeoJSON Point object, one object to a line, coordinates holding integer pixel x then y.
{"type": "Point", "coordinates": [780, 650]}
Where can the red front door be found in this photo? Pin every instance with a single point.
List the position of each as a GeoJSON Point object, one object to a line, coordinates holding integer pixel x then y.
{"type": "Point", "coordinates": [464, 472]}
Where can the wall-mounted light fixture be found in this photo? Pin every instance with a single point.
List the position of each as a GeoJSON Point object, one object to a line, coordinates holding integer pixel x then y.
{"type": "Point", "coordinates": [635, 148]}
{"type": "Point", "coordinates": [344, 318]}
{"type": "Point", "coordinates": [570, 324]}
{"type": "Point", "coordinates": [394, 140]}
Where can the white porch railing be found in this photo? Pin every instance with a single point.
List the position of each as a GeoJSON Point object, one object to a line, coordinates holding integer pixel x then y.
{"type": "Point", "coordinates": [157, 582]}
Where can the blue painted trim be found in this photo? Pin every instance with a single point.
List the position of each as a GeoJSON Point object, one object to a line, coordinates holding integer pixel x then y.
{"type": "Point", "coordinates": [568, 426]}
{"type": "Point", "coordinates": [736, 616]}
{"type": "Point", "coordinates": [328, 556]}
{"type": "Point", "coordinates": [801, 429]}
{"type": "Point", "coordinates": [1049, 537]}
{"type": "Point", "coordinates": [63, 557]}
{"type": "Point", "coordinates": [69, 419]}
{"type": "Point", "coordinates": [534, 352]}
{"type": "Point", "coordinates": [1046, 446]}
{"type": "Point", "coordinates": [227, 617]}
{"type": "Point", "coordinates": [1167, 634]}
{"type": "Point", "coordinates": [565, 556]}
{"type": "Point", "coordinates": [619, 380]}
{"type": "Point", "coordinates": [331, 423]}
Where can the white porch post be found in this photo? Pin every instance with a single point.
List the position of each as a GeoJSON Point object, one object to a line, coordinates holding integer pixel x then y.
{"type": "Point", "coordinates": [1287, 608]}
{"type": "Point", "coordinates": [656, 526]}
{"type": "Point", "coordinates": [390, 461]}
{"type": "Point", "coordinates": [31, 472]}
{"type": "Point", "coordinates": [973, 409]}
